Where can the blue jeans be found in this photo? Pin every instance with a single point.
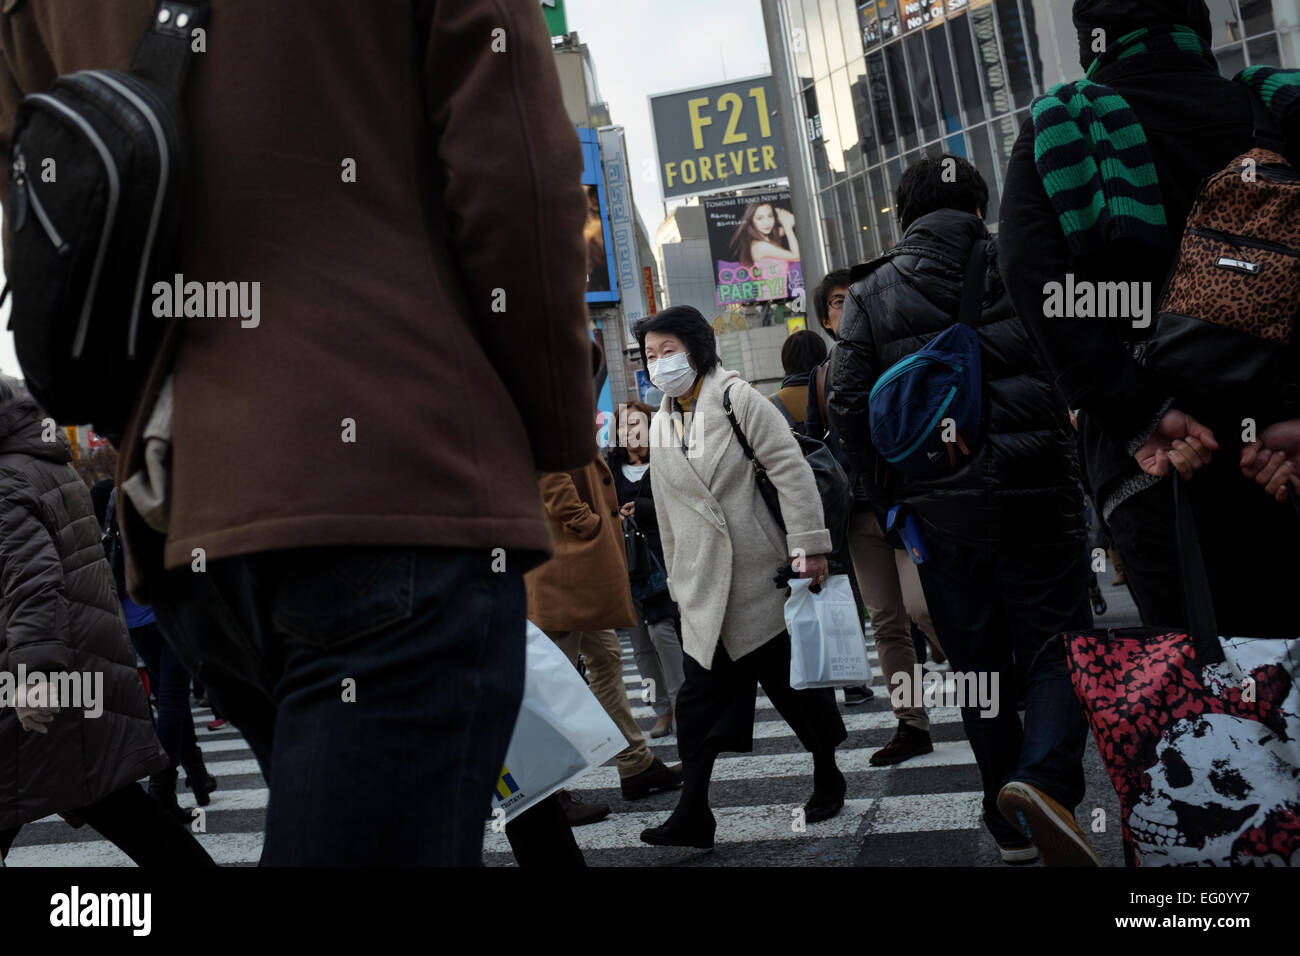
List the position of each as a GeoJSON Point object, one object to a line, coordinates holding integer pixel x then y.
{"type": "Point", "coordinates": [996, 613]}
{"type": "Point", "coordinates": [172, 687]}
{"type": "Point", "coordinates": [377, 687]}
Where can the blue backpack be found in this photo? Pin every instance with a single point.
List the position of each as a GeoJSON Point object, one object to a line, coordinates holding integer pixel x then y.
{"type": "Point", "coordinates": [925, 410]}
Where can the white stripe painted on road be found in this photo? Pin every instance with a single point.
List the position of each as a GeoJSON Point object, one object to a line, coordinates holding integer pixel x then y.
{"type": "Point", "coordinates": [735, 825]}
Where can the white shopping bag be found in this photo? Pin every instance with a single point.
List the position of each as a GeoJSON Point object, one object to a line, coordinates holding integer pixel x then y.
{"type": "Point", "coordinates": [826, 644]}
{"type": "Point", "coordinates": [561, 732]}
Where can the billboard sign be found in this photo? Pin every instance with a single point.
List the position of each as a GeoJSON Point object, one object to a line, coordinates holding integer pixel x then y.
{"type": "Point", "coordinates": [556, 21]}
{"type": "Point", "coordinates": [754, 248]}
{"type": "Point", "coordinates": [602, 284]}
{"type": "Point", "coordinates": [622, 227]}
{"type": "Point", "coordinates": [715, 138]}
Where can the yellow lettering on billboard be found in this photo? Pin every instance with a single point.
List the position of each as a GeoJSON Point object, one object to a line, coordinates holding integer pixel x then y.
{"type": "Point", "coordinates": [769, 157]}
{"type": "Point", "coordinates": [759, 95]}
{"type": "Point", "coordinates": [698, 123]}
{"type": "Point", "coordinates": [736, 105]}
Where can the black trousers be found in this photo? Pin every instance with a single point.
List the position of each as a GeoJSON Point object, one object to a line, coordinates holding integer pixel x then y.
{"type": "Point", "coordinates": [715, 707]}
{"type": "Point", "coordinates": [1250, 543]}
{"type": "Point", "coordinates": [137, 825]}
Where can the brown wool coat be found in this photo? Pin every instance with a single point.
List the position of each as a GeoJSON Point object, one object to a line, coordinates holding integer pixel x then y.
{"type": "Point", "coordinates": [374, 307]}
{"type": "Point", "coordinates": [585, 586]}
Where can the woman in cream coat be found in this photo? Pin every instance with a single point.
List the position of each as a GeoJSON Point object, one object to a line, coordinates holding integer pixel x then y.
{"type": "Point", "coordinates": [723, 548]}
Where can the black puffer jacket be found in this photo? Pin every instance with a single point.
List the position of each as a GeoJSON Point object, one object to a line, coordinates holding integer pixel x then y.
{"type": "Point", "coordinates": [59, 612]}
{"type": "Point", "coordinates": [1021, 486]}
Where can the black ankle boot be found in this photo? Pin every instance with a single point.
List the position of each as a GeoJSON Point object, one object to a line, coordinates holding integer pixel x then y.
{"type": "Point", "coordinates": [197, 777]}
{"type": "Point", "coordinates": [684, 828]}
{"type": "Point", "coordinates": [829, 788]}
{"type": "Point", "coordinates": [162, 787]}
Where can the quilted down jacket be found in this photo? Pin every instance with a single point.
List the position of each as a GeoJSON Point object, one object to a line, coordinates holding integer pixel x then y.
{"type": "Point", "coordinates": [1021, 486]}
{"type": "Point", "coordinates": [59, 613]}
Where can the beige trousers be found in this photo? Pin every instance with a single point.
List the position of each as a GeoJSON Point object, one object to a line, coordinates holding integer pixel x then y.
{"type": "Point", "coordinates": [891, 590]}
{"type": "Point", "coordinates": [605, 676]}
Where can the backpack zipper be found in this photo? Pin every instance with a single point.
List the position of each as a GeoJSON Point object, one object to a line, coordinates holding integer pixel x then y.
{"type": "Point", "coordinates": [110, 218]}
{"type": "Point", "coordinates": [1233, 240]}
{"type": "Point", "coordinates": [906, 365]}
{"type": "Point", "coordinates": [29, 194]}
{"type": "Point", "coordinates": [164, 171]}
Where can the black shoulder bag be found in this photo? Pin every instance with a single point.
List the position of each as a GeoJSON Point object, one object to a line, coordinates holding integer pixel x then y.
{"type": "Point", "coordinates": [832, 482]}
{"type": "Point", "coordinates": [96, 188]}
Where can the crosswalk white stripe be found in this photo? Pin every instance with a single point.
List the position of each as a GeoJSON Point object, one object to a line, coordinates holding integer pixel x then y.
{"type": "Point", "coordinates": [735, 825]}
{"type": "Point", "coordinates": [757, 766]}
{"type": "Point", "coordinates": [224, 848]}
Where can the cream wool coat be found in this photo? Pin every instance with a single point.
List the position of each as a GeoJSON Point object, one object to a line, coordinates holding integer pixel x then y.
{"type": "Point", "coordinates": [721, 544]}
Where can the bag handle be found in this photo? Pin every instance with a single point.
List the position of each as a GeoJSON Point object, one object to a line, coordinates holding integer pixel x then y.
{"type": "Point", "coordinates": [1201, 621]}
{"type": "Point", "coordinates": [740, 435]}
{"type": "Point", "coordinates": [166, 52]}
{"type": "Point", "coordinates": [972, 296]}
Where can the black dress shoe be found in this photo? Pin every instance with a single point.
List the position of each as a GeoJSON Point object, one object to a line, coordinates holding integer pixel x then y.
{"type": "Point", "coordinates": [827, 801]}
{"type": "Point", "coordinates": [654, 778]}
{"type": "Point", "coordinates": [578, 812]}
{"type": "Point", "coordinates": [908, 742]}
{"type": "Point", "coordinates": [683, 830]}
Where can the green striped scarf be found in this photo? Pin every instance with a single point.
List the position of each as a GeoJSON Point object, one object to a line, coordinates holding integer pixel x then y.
{"type": "Point", "coordinates": [1278, 88]}
{"type": "Point", "coordinates": [1092, 153]}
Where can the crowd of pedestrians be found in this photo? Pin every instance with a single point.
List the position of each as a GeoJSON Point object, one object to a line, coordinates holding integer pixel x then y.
{"type": "Point", "coordinates": [354, 601]}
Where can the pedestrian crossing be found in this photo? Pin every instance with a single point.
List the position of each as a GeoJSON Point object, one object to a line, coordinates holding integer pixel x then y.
{"type": "Point", "coordinates": [755, 796]}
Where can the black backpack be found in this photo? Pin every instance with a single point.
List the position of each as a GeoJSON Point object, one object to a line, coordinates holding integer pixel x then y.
{"type": "Point", "coordinates": [96, 188]}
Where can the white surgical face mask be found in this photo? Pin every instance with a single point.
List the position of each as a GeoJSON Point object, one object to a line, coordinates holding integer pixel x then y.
{"type": "Point", "coordinates": [672, 375]}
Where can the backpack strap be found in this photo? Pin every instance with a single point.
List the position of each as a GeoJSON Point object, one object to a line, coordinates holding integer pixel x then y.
{"type": "Point", "coordinates": [165, 54]}
{"type": "Point", "coordinates": [972, 296]}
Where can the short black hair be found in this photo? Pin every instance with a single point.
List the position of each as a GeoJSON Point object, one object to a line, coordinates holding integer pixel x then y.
{"type": "Point", "coordinates": [689, 325]}
{"type": "Point", "coordinates": [931, 184]}
{"type": "Point", "coordinates": [835, 279]}
{"type": "Point", "coordinates": [802, 352]}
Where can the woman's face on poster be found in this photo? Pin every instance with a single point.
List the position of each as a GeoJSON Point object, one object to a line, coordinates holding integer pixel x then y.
{"type": "Point", "coordinates": [764, 219]}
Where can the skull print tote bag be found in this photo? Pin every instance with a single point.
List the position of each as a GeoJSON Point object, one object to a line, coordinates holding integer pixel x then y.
{"type": "Point", "coordinates": [1199, 734]}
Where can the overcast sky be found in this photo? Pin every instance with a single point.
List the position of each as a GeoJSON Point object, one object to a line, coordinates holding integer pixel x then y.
{"type": "Point", "coordinates": [639, 48]}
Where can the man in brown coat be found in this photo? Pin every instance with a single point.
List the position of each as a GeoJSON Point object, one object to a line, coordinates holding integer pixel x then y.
{"type": "Point", "coordinates": [338, 549]}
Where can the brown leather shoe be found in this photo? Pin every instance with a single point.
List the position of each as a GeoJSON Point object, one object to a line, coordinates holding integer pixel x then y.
{"type": "Point", "coordinates": [663, 726]}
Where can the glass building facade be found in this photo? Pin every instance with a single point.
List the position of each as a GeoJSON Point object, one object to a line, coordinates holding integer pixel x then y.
{"type": "Point", "coordinates": [879, 84]}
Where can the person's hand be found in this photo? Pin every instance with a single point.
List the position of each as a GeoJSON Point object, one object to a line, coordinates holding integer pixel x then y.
{"type": "Point", "coordinates": [785, 217]}
{"type": "Point", "coordinates": [813, 566]}
{"type": "Point", "coordinates": [35, 714]}
{"type": "Point", "coordinates": [1273, 460]}
{"type": "Point", "coordinates": [1074, 419]}
{"type": "Point", "coordinates": [1179, 440]}
{"type": "Point", "coordinates": [628, 509]}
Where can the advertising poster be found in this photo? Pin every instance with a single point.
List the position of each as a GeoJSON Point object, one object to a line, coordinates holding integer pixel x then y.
{"type": "Point", "coordinates": [754, 248]}
{"type": "Point", "coordinates": [602, 285]}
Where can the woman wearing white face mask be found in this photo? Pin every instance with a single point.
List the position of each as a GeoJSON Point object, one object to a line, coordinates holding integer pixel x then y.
{"type": "Point", "coordinates": [722, 548]}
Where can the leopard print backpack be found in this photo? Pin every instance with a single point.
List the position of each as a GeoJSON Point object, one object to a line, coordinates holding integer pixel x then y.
{"type": "Point", "coordinates": [1228, 325]}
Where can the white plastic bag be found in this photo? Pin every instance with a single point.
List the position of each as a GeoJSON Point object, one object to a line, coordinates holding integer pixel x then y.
{"type": "Point", "coordinates": [826, 643]}
{"type": "Point", "coordinates": [561, 732]}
